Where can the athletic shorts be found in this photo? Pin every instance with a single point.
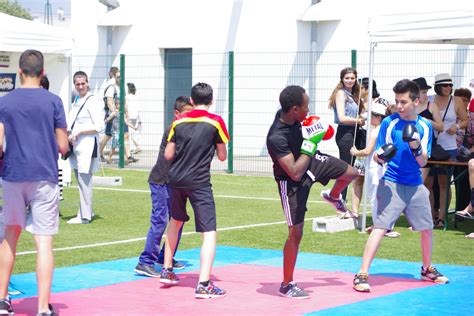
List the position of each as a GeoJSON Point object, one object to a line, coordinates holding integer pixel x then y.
{"type": "Point", "coordinates": [34, 206]}
{"type": "Point", "coordinates": [202, 201]}
{"type": "Point", "coordinates": [294, 196]}
{"type": "Point", "coordinates": [324, 168]}
{"type": "Point", "coordinates": [394, 198]}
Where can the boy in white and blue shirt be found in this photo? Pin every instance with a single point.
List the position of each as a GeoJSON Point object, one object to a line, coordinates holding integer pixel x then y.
{"type": "Point", "coordinates": [401, 188]}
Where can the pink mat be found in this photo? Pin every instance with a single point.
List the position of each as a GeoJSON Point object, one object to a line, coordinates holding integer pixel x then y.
{"type": "Point", "coordinates": [252, 289]}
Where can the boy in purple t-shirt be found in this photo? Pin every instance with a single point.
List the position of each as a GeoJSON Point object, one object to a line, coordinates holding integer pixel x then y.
{"type": "Point", "coordinates": [33, 122]}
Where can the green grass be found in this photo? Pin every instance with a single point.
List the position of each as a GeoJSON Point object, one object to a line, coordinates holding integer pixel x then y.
{"type": "Point", "coordinates": [122, 215]}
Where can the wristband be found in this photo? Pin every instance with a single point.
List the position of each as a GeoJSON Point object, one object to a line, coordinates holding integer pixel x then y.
{"type": "Point", "coordinates": [417, 151]}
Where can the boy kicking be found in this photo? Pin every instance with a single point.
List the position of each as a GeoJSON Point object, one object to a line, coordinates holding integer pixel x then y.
{"type": "Point", "coordinates": [297, 164]}
{"type": "Point", "coordinates": [401, 188]}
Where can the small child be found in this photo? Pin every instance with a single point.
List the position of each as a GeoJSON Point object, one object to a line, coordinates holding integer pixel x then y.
{"type": "Point", "coordinates": [160, 212]}
{"type": "Point", "coordinates": [378, 113]}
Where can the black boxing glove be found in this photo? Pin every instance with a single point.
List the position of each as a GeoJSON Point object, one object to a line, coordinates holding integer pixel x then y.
{"type": "Point", "coordinates": [412, 137]}
{"type": "Point", "coordinates": [386, 152]}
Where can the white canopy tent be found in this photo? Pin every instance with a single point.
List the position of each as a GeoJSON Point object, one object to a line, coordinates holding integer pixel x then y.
{"type": "Point", "coordinates": [55, 43]}
{"type": "Point", "coordinates": [436, 22]}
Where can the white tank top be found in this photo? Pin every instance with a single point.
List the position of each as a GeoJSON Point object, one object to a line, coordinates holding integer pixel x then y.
{"type": "Point", "coordinates": [448, 142]}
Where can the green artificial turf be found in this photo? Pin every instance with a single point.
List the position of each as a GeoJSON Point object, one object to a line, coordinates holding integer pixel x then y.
{"type": "Point", "coordinates": [122, 216]}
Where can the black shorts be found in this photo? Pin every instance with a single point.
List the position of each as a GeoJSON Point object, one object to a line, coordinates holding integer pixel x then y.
{"type": "Point", "coordinates": [202, 201]}
{"type": "Point", "coordinates": [294, 196]}
{"type": "Point", "coordinates": [324, 168]}
{"type": "Point", "coordinates": [108, 129]}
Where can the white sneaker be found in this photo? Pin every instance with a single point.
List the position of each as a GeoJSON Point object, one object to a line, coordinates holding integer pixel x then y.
{"type": "Point", "coordinates": [78, 220]}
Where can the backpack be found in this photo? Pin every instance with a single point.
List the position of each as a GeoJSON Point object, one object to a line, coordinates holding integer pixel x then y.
{"type": "Point", "coordinates": [106, 108]}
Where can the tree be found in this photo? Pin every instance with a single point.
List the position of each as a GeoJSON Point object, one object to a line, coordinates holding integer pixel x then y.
{"type": "Point", "coordinates": [14, 9]}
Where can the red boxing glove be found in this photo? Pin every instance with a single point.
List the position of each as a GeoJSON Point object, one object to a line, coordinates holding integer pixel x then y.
{"type": "Point", "coordinates": [315, 120]}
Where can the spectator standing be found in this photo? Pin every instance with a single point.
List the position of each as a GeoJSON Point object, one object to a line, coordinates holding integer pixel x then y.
{"type": "Point", "coordinates": [134, 120]}
{"type": "Point", "coordinates": [85, 124]}
{"type": "Point", "coordinates": [454, 115]}
{"type": "Point", "coordinates": [33, 122]}
{"type": "Point", "coordinates": [345, 102]}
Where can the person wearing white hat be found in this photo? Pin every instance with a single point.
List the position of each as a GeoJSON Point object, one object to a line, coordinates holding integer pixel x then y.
{"type": "Point", "coordinates": [454, 117]}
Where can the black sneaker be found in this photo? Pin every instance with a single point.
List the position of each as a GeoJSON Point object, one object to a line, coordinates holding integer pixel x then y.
{"type": "Point", "coordinates": [131, 159]}
{"type": "Point", "coordinates": [291, 290]}
{"type": "Point", "coordinates": [433, 275]}
{"type": "Point", "coordinates": [210, 291]}
{"type": "Point", "coordinates": [361, 282]}
{"type": "Point", "coordinates": [51, 312]}
{"type": "Point", "coordinates": [6, 307]}
{"type": "Point", "coordinates": [147, 270]}
{"type": "Point", "coordinates": [168, 277]}
{"type": "Point", "coordinates": [176, 265]}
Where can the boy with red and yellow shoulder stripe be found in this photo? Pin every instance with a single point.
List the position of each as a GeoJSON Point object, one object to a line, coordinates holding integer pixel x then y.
{"type": "Point", "coordinates": [194, 138]}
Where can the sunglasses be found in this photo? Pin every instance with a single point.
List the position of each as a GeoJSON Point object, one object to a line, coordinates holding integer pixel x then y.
{"type": "Point", "coordinates": [445, 85]}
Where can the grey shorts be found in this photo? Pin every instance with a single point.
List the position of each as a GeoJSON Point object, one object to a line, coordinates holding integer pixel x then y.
{"type": "Point", "coordinates": [394, 198]}
{"type": "Point", "coordinates": [34, 206]}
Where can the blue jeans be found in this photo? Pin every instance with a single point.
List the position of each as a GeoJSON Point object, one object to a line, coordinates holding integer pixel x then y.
{"type": "Point", "coordinates": [158, 220]}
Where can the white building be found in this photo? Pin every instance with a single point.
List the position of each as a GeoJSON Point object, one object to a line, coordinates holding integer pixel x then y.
{"type": "Point", "coordinates": [276, 43]}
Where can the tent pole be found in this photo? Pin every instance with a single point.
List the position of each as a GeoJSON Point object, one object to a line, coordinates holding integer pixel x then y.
{"type": "Point", "coordinates": [369, 111]}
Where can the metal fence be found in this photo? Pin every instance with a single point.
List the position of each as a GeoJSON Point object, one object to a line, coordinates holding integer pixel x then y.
{"type": "Point", "coordinates": [247, 87]}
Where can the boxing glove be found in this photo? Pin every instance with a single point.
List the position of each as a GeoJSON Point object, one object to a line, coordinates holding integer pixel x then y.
{"type": "Point", "coordinates": [313, 129]}
{"type": "Point", "coordinates": [412, 137]}
{"type": "Point", "coordinates": [314, 119]}
{"type": "Point", "coordinates": [386, 152]}
{"type": "Point", "coordinates": [329, 132]}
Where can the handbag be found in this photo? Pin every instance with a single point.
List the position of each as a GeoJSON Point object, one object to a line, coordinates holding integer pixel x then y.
{"type": "Point", "coordinates": [438, 153]}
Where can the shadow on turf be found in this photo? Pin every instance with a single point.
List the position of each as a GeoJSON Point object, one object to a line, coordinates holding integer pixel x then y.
{"type": "Point", "coordinates": [29, 306]}
{"type": "Point", "coordinates": [188, 280]}
{"type": "Point", "coordinates": [272, 287]}
{"type": "Point", "coordinates": [94, 218]}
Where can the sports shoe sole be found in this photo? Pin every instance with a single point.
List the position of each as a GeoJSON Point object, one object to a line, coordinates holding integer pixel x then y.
{"type": "Point", "coordinates": [362, 289]}
{"type": "Point", "coordinates": [205, 296]}
{"type": "Point", "coordinates": [169, 282]}
{"type": "Point", "coordinates": [435, 281]}
{"type": "Point", "coordinates": [140, 272]}
{"type": "Point", "coordinates": [294, 297]}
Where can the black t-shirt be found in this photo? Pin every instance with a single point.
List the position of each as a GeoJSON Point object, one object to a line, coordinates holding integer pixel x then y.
{"type": "Point", "coordinates": [196, 134]}
{"type": "Point", "coordinates": [161, 170]}
{"type": "Point", "coordinates": [283, 139]}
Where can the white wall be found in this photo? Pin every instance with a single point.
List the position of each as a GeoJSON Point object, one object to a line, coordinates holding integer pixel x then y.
{"type": "Point", "coordinates": [251, 26]}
